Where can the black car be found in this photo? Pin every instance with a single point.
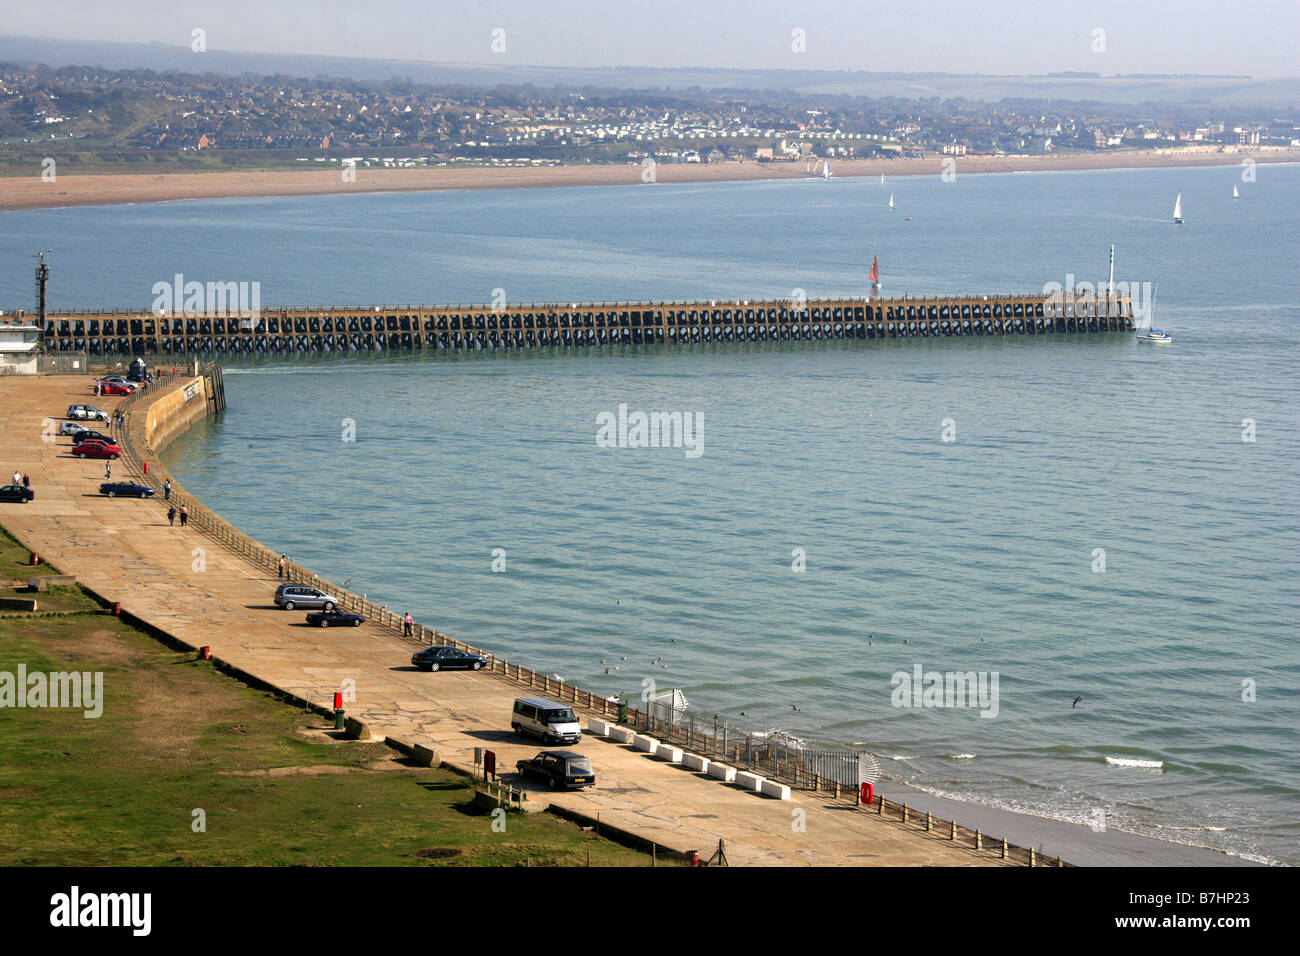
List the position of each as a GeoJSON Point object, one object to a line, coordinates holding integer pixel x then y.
{"type": "Point", "coordinates": [125, 489]}
{"type": "Point", "coordinates": [19, 493]}
{"type": "Point", "coordinates": [86, 434]}
{"type": "Point", "coordinates": [335, 618]}
{"type": "Point", "coordinates": [559, 768]}
{"type": "Point", "coordinates": [445, 658]}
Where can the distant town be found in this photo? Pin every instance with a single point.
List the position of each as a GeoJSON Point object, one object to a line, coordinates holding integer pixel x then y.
{"type": "Point", "coordinates": [129, 117]}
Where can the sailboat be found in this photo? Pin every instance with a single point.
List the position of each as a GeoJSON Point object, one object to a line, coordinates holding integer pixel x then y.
{"type": "Point", "coordinates": [891, 200]}
{"type": "Point", "coordinates": [1235, 194]}
{"type": "Point", "coordinates": [875, 273]}
{"type": "Point", "coordinates": [1178, 209]}
{"type": "Point", "coordinates": [826, 170]}
{"type": "Point", "coordinates": [882, 179]}
{"type": "Point", "coordinates": [1154, 336]}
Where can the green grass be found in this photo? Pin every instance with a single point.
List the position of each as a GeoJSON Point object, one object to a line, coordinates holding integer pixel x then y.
{"type": "Point", "coordinates": [176, 735]}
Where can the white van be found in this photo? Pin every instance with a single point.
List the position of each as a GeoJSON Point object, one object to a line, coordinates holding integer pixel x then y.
{"type": "Point", "coordinates": [553, 722]}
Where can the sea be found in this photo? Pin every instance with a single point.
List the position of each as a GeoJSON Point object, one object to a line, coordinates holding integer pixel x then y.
{"type": "Point", "coordinates": [1103, 531]}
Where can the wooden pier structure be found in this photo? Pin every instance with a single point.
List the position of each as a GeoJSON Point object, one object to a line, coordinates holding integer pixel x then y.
{"type": "Point", "coordinates": [473, 327]}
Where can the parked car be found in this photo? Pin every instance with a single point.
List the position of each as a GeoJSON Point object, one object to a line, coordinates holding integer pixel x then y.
{"type": "Point", "coordinates": [125, 489]}
{"type": "Point", "coordinates": [94, 448]}
{"type": "Point", "coordinates": [550, 720]}
{"type": "Point", "coordinates": [86, 413]}
{"type": "Point", "coordinates": [290, 596]}
{"type": "Point", "coordinates": [85, 434]}
{"type": "Point", "coordinates": [559, 768]}
{"type": "Point", "coordinates": [16, 493]}
{"type": "Point", "coordinates": [115, 388]}
{"type": "Point", "coordinates": [335, 618]}
{"type": "Point", "coordinates": [71, 428]}
{"type": "Point", "coordinates": [119, 380]}
{"type": "Point", "coordinates": [447, 658]}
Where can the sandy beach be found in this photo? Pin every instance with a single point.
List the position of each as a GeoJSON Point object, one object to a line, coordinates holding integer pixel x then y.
{"type": "Point", "coordinates": [31, 192]}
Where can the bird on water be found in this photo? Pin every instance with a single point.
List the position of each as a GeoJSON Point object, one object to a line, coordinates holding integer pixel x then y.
{"type": "Point", "coordinates": [1076, 702]}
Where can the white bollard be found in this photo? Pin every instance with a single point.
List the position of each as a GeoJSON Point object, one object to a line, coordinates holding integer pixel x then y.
{"type": "Point", "coordinates": [749, 781]}
{"type": "Point", "coordinates": [622, 735]}
{"type": "Point", "coordinates": [671, 754]}
{"type": "Point", "coordinates": [696, 762]}
{"type": "Point", "coordinates": [770, 788]}
{"type": "Point", "coordinates": [598, 727]}
{"type": "Point", "coordinates": [647, 744]}
{"type": "Point", "coordinates": [720, 771]}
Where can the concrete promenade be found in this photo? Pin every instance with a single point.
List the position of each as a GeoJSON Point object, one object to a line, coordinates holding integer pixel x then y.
{"type": "Point", "coordinates": [124, 550]}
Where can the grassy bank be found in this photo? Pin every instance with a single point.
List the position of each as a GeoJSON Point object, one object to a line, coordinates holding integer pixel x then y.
{"type": "Point", "coordinates": [275, 787]}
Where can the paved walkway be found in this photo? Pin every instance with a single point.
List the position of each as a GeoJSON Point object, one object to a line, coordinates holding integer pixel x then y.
{"type": "Point", "coordinates": [185, 583]}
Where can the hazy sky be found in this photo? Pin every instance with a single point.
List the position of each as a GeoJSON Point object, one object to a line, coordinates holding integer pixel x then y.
{"type": "Point", "coordinates": [965, 36]}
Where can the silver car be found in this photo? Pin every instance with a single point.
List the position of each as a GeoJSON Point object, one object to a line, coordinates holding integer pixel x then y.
{"type": "Point", "coordinates": [86, 413]}
{"type": "Point", "coordinates": [290, 596]}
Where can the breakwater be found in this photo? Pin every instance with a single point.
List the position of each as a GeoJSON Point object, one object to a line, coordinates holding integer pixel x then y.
{"type": "Point", "coordinates": [473, 327]}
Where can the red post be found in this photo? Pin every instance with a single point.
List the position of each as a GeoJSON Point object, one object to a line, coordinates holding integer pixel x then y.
{"type": "Point", "coordinates": [338, 701]}
{"type": "Point", "coordinates": [205, 653]}
{"type": "Point", "coordinates": [146, 468]}
{"type": "Point", "coordinates": [868, 794]}
{"type": "Point", "coordinates": [34, 559]}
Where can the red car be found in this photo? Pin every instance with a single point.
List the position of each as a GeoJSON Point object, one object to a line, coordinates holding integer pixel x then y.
{"type": "Point", "coordinates": [115, 388]}
{"type": "Point", "coordinates": [95, 448]}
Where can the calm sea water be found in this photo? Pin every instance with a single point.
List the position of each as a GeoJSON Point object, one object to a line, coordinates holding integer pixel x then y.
{"type": "Point", "coordinates": [976, 554]}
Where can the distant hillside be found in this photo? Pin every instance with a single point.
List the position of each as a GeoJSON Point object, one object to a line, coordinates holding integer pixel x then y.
{"type": "Point", "coordinates": [1167, 90]}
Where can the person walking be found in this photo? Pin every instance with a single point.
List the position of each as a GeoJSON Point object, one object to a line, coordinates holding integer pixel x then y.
{"type": "Point", "coordinates": [17, 478]}
{"type": "Point", "coordinates": [27, 482]}
{"type": "Point", "coordinates": [408, 625]}
{"type": "Point", "coordinates": [281, 567]}
{"type": "Point", "coordinates": [108, 470]}
{"type": "Point", "coordinates": [167, 490]}
{"type": "Point", "coordinates": [185, 515]}
{"type": "Point", "coordinates": [171, 515]}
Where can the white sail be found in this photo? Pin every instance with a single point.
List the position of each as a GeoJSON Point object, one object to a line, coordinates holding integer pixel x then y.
{"type": "Point", "coordinates": [882, 179]}
{"type": "Point", "coordinates": [1178, 208]}
{"type": "Point", "coordinates": [826, 170]}
{"type": "Point", "coordinates": [1235, 194]}
{"type": "Point", "coordinates": [891, 200]}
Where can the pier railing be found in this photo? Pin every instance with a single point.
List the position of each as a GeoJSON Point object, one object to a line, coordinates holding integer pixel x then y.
{"type": "Point", "coordinates": [832, 773]}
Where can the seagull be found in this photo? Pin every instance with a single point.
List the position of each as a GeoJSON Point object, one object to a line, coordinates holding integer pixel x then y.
{"type": "Point", "coordinates": [793, 707]}
{"type": "Point", "coordinates": [623, 658]}
{"type": "Point", "coordinates": [607, 670]}
{"type": "Point", "coordinates": [1076, 702]}
{"type": "Point", "coordinates": [743, 714]}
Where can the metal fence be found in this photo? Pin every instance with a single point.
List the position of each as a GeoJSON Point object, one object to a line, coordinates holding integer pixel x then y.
{"type": "Point", "coordinates": [776, 754]}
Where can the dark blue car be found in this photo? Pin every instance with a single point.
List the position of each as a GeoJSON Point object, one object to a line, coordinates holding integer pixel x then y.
{"type": "Point", "coordinates": [125, 489]}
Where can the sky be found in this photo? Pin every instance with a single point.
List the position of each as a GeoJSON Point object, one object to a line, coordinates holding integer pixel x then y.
{"type": "Point", "coordinates": [949, 36]}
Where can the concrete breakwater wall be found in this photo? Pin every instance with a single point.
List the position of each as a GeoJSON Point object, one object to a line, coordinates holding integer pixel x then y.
{"type": "Point", "coordinates": [446, 327]}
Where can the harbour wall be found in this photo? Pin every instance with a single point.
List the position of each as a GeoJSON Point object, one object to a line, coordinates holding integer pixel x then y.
{"type": "Point", "coordinates": [473, 327]}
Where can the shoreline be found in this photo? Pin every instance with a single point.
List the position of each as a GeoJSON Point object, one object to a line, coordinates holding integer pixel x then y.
{"type": "Point", "coordinates": [97, 189]}
{"type": "Point", "coordinates": [277, 665]}
{"type": "Point", "coordinates": [1051, 837]}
